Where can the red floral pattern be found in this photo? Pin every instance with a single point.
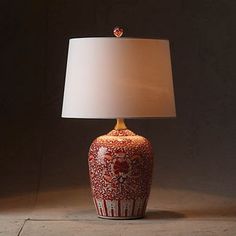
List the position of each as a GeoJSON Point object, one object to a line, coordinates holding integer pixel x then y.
{"type": "Point", "coordinates": [121, 166]}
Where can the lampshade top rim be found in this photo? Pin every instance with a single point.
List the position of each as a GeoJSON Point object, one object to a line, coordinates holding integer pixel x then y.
{"type": "Point", "coordinates": [115, 38]}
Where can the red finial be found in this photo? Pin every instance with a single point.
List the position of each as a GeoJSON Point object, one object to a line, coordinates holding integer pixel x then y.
{"type": "Point", "coordinates": [118, 31]}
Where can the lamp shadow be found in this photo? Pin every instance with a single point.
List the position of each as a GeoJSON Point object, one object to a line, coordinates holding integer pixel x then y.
{"type": "Point", "coordinates": [163, 215]}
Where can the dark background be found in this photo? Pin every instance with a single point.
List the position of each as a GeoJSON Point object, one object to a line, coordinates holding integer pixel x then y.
{"type": "Point", "coordinates": [39, 150]}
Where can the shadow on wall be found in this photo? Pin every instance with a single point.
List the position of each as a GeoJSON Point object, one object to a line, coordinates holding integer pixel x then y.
{"type": "Point", "coordinates": [41, 156]}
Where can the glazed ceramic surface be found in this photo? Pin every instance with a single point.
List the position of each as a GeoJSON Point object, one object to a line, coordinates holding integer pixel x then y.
{"type": "Point", "coordinates": [120, 168]}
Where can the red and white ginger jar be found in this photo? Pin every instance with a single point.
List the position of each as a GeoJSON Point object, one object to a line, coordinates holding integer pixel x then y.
{"type": "Point", "coordinates": [120, 168]}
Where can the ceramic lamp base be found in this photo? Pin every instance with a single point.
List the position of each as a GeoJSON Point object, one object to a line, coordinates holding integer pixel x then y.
{"type": "Point", "coordinates": [120, 168]}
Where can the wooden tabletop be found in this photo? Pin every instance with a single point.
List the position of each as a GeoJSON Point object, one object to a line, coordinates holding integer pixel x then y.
{"type": "Point", "coordinates": [70, 211]}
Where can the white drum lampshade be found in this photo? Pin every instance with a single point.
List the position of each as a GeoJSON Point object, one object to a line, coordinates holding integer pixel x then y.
{"type": "Point", "coordinates": [118, 77]}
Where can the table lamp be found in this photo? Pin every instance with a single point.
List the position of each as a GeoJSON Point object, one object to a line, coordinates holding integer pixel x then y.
{"type": "Point", "coordinates": [117, 78]}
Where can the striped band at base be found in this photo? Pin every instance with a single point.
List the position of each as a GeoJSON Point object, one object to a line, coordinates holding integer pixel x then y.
{"type": "Point", "coordinates": [131, 208]}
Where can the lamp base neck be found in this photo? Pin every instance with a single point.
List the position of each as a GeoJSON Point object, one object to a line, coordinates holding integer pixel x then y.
{"type": "Point", "coordinates": [120, 124]}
